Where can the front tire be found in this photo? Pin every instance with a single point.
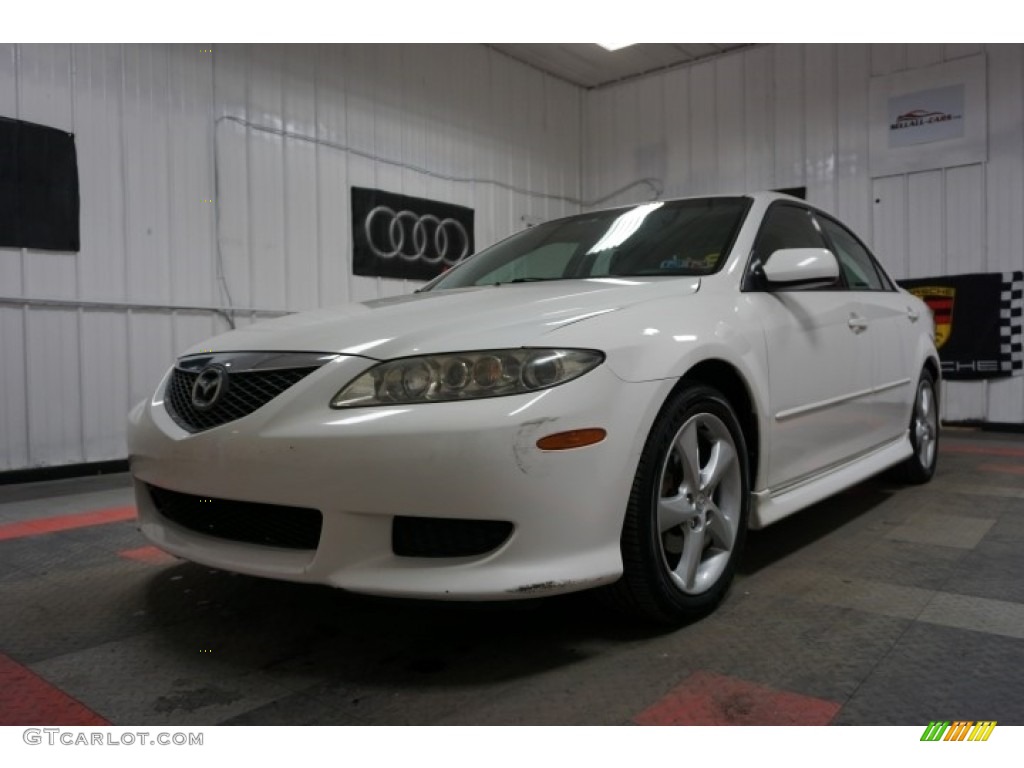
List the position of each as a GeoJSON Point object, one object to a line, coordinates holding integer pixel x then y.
{"type": "Point", "coordinates": [687, 516]}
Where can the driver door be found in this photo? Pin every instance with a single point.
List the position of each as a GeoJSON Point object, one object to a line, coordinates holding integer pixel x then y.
{"type": "Point", "coordinates": [819, 363]}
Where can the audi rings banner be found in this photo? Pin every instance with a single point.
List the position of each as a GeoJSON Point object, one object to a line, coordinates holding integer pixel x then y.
{"type": "Point", "coordinates": [407, 237]}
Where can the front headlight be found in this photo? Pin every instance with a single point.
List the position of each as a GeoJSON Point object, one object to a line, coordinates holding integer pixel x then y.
{"type": "Point", "coordinates": [465, 376]}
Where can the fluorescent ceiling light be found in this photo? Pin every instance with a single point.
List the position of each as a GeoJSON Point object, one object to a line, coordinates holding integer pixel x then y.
{"type": "Point", "coordinates": [614, 46]}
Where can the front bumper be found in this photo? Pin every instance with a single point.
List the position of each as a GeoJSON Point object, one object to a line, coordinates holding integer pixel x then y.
{"type": "Point", "coordinates": [362, 467]}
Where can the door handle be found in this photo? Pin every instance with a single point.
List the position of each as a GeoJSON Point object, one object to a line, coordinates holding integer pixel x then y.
{"type": "Point", "coordinates": [857, 324]}
{"type": "Point", "coordinates": [913, 314]}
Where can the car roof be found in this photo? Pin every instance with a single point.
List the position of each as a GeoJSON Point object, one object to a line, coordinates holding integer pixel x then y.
{"type": "Point", "coordinates": [762, 196]}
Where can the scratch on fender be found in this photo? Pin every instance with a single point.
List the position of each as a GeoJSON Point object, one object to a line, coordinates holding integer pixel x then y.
{"type": "Point", "coordinates": [524, 446]}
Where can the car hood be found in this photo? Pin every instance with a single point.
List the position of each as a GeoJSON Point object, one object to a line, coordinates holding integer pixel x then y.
{"type": "Point", "coordinates": [485, 317]}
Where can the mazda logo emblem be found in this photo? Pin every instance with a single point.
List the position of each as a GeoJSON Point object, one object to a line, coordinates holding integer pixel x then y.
{"type": "Point", "coordinates": [209, 387]}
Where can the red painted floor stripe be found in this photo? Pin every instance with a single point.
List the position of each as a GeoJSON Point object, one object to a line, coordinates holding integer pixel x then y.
{"type": "Point", "coordinates": [150, 555]}
{"type": "Point", "coordinates": [1006, 469]}
{"type": "Point", "coordinates": [708, 699]}
{"type": "Point", "coordinates": [984, 450]}
{"type": "Point", "coordinates": [65, 522]}
{"type": "Point", "coordinates": [27, 699]}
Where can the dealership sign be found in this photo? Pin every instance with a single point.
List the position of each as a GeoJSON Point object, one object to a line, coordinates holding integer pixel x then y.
{"type": "Point", "coordinates": [928, 118]}
{"type": "Point", "coordinates": [925, 116]}
{"type": "Point", "coordinates": [407, 237]}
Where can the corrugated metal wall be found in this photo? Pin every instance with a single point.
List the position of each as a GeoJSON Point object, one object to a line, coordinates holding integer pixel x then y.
{"type": "Point", "coordinates": [162, 131]}
{"type": "Point", "coordinates": [783, 116]}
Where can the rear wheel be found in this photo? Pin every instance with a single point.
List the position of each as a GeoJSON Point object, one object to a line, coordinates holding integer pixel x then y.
{"type": "Point", "coordinates": [924, 433]}
{"type": "Point", "coordinates": [687, 515]}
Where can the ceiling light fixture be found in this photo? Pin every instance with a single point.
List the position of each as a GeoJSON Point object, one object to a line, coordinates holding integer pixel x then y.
{"type": "Point", "coordinates": [614, 46]}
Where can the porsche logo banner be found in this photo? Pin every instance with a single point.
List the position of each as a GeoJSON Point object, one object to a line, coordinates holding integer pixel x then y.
{"type": "Point", "coordinates": [978, 323]}
{"type": "Point", "coordinates": [939, 299]}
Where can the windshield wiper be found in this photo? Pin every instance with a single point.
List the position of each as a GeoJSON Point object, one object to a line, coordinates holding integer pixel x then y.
{"type": "Point", "coordinates": [526, 280]}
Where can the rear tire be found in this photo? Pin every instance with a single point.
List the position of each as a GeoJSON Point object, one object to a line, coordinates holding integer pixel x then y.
{"type": "Point", "coordinates": [687, 515]}
{"type": "Point", "coordinates": [924, 434]}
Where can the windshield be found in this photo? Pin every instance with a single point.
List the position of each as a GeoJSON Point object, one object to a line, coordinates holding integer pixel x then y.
{"type": "Point", "coordinates": [683, 237]}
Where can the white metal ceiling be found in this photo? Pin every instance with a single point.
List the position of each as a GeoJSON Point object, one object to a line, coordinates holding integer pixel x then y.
{"type": "Point", "coordinates": [589, 65]}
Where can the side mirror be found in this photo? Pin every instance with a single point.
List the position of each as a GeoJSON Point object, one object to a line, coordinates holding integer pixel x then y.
{"type": "Point", "coordinates": [801, 268]}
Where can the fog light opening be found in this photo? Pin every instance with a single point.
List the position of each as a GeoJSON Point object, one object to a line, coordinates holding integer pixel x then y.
{"type": "Point", "coordinates": [575, 438]}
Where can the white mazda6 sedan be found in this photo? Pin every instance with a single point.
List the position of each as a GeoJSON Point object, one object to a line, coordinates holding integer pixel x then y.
{"type": "Point", "coordinates": [612, 398]}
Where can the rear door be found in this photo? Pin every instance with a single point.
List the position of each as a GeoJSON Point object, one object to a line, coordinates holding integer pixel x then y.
{"type": "Point", "coordinates": [890, 324]}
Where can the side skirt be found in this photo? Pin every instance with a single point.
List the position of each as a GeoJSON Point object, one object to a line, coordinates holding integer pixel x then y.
{"type": "Point", "coordinates": [769, 507]}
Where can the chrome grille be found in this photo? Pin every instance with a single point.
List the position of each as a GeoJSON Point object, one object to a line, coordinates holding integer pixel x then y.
{"type": "Point", "coordinates": [249, 386]}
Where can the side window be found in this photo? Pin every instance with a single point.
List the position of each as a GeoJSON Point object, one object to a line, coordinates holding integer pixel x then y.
{"type": "Point", "coordinates": [786, 226]}
{"type": "Point", "coordinates": [855, 262]}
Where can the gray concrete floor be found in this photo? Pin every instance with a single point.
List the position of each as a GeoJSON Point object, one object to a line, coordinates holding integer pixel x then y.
{"type": "Point", "coordinates": [886, 605]}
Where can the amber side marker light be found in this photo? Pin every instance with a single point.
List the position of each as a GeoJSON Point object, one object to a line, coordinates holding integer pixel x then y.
{"type": "Point", "coordinates": [576, 438]}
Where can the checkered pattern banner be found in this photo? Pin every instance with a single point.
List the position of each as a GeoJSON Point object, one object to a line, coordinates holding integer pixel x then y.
{"type": "Point", "coordinates": [1011, 305]}
{"type": "Point", "coordinates": [979, 329]}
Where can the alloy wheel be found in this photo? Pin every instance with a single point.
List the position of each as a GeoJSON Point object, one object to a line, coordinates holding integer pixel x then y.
{"type": "Point", "coordinates": [699, 503]}
{"type": "Point", "coordinates": [926, 424]}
